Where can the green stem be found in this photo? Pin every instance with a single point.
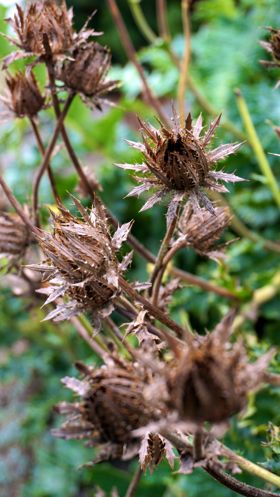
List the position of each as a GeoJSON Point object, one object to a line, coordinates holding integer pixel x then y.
{"type": "Point", "coordinates": [141, 21]}
{"type": "Point", "coordinates": [86, 324]}
{"type": "Point", "coordinates": [252, 468]}
{"type": "Point", "coordinates": [257, 146]}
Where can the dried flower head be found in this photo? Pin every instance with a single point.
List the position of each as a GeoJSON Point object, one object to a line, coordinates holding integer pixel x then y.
{"type": "Point", "coordinates": [273, 47]}
{"type": "Point", "coordinates": [45, 26]}
{"type": "Point", "coordinates": [85, 72]}
{"type": "Point", "coordinates": [24, 97]}
{"type": "Point", "coordinates": [14, 237]}
{"type": "Point", "coordinates": [81, 262]}
{"type": "Point", "coordinates": [111, 407]}
{"type": "Point", "coordinates": [201, 230]}
{"type": "Point", "coordinates": [212, 378]}
{"type": "Point", "coordinates": [178, 162]}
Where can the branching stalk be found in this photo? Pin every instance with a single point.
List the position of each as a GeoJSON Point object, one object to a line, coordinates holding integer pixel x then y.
{"type": "Point", "coordinates": [185, 62]}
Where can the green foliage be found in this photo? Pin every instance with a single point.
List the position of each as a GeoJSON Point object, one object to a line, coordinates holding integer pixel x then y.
{"type": "Point", "coordinates": [225, 54]}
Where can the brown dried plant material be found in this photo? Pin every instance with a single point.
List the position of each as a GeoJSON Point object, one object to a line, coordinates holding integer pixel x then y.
{"type": "Point", "coordinates": [272, 47]}
{"type": "Point", "coordinates": [24, 97]}
{"type": "Point", "coordinates": [81, 262]}
{"type": "Point", "coordinates": [85, 72]}
{"type": "Point", "coordinates": [42, 20]}
{"type": "Point", "coordinates": [154, 448]}
{"type": "Point", "coordinates": [177, 162]}
{"type": "Point", "coordinates": [14, 237]}
{"type": "Point", "coordinates": [111, 407]}
{"type": "Point", "coordinates": [212, 378]}
{"type": "Point", "coordinates": [202, 229]}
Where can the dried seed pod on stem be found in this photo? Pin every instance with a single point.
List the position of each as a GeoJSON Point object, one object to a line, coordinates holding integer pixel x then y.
{"type": "Point", "coordinates": [81, 262]}
{"type": "Point", "coordinates": [111, 407]}
{"type": "Point", "coordinates": [23, 97]}
{"type": "Point", "coordinates": [178, 162]}
{"type": "Point", "coordinates": [15, 237]}
{"type": "Point", "coordinates": [212, 378]}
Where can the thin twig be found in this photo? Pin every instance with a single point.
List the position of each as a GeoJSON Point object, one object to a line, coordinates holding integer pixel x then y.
{"type": "Point", "coordinates": [87, 337]}
{"type": "Point", "coordinates": [140, 20]}
{"type": "Point", "coordinates": [47, 156]}
{"type": "Point", "coordinates": [131, 54]}
{"type": "Point", "coordinates": [15, 203]}
{"type": "Point", "coordinates": [134, 483]}
{"type": "Point", "coordinates": [162, 20]}
{"type": "Point", "coordinates": [155, 311]}
{"type": "Point", "coordinates": [237, 486]}
{"type": "Point", "coordinates": [185, 62]}
{"type": "Point", "coordinates": [42, 151]}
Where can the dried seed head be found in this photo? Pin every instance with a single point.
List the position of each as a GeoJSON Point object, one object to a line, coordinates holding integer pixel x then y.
{"type": "Point", "coordinates": [44, 29]}
{"type": "Point", "coordinates": [178, 161]}
{"type": "Point", "coordinates": [24, 97]}
{"type": "Point", "coordinates": [86, 71]}
{"type": "Point", "coordinates": [81, 261]}
{"type": "Point", "coordinates": [273, 47]}
{"type": "Point", "coordinates": [112, 405]}
{"type": "Point", "coordinates": [202, 229]}
{"type": "Point", "coordinates": [14, 236]}
{"type": "Point", "coordinates": [212, 379]}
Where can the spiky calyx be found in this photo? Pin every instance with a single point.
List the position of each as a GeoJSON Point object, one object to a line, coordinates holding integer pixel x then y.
{"type": "Point", "coordinates": [81, 262]}
{"type": "Point", "coordinates": [212, 379]}
{"type": "Point", "coordinates": [86, 71]}
{"type": "Point", "coordinates": [24, 97]}
{"type": "Point", "coordinates": [14, 236]}
{"type": "Point", "coordinates": [111, 407]}
{"type": "Point", "coordinates": [178, 162]}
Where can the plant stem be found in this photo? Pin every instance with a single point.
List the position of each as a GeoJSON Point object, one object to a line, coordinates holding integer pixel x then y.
{"type": "Point", "coordinates": [257, 146]}
{"type": "Point", "coordinates": [15, 203]}
{"type": "Point", "coordinates": [134, 483]}
{"type": "Point", "coordinates": [162, 20]}
{"type": "Point", "coordinates": [251, 467]}
{"type": "Point", "coordinates": [141, 20]}
{"type": "Point", "coordinates": [198, 445]}
{"type": "Point", "coordinates": [162, 252]}
{"type": "Point", "coordinates": [42, 151]}
{"type": "Point", "coordinates": [155, 311]}
{"type": "Point", "coordinates": [47, 156]}
{"type": "Point", "coordinates": [132, 56]}
{"type": "Point", "coordinates": [86, 335]}
{"type": "Point", "coordinates": [86, 324]}
{"type": "Point", "coordinates": [237, 486]}
{"type": "Point", "coordinates": [185, 62]}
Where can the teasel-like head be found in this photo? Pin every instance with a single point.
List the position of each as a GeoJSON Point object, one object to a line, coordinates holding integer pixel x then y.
{"type": "Point", "coordinates": [272, 47]}
{"type": "Point", "coordinates": [210, 380]}
{"type": "Point", "coordinates": [45, 26]}
{"type": "Point", "coordinates": [201, 230]}
{"type": "Point", "coordinates": [23, 97]}
{"type": "Point", "coordinates": [81, 263]}
{"type": "Point", "coordinates": [111, 406]}
{"type": "Point", "coordinates": [85, 72]}
{"type": "Point", "coordinates": [15, 238]}
{"type": "Point", "coordinates": [178, 162]}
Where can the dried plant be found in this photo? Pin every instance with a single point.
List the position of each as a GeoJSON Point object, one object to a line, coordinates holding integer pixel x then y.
{"type": "Point", "coordinates": [173, 388]}
{"type": "Point", "coordinates": [81, 262]}
{"type": "Point", "coordinates": [211, 379]}
{"type": "Point", "coordinates": [179, 163]}
{"type": "Point", "coordinates": [273, 48]}
{"type": "Point", "coordinates": [24, 97]}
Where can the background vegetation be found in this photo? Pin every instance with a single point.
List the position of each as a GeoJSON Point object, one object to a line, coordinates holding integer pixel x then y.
{"type": "Point", "coordinates": [34, 355]}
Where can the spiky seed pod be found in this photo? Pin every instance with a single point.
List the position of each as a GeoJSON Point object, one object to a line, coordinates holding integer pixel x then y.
{"type": "Point", "coordinates": [202, 229]}
{"type": "Point", "coordinates": [273, 47]}
{"type": "Point", "coordinates": [24, 97]}
{"type": "Point", "coordinates": [42, 26]}
{"type": "Point", "coordinates": [81, 262]}
{"type": "Point", "coordinates": [14, 236]}
{"type": "Point", "coordinates": [86, 71]}
{"type": "Point", "coordinates": [178, 162]}
{"type": "Point", "coordinates": [112, 405]}
{"type": "Point", "coordinates": [212, 379]}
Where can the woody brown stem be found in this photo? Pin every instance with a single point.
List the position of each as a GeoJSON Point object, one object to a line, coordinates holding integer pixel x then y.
{"type": "Point", "coordinates": [155, 311]}
{"type": "Point", "coordinates": [134, 483]}
{"type": "Point", "coordinates": [198, 445]}
{"type": "Point", "coordinates": [47, 156]}
{"type": "Point", "coordinates": [237, 486]}
{"type": "Point", "coordinates": [131, 54]}
{"type": "Point", "coordinates": [42, 151]}
{"type": "Point", "coordinates": [185, 62]}
{"type": "Point", "coordinates": [15, 203]}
